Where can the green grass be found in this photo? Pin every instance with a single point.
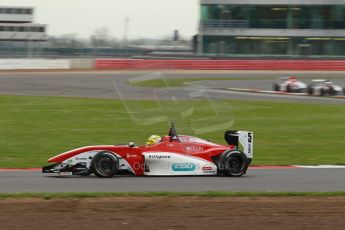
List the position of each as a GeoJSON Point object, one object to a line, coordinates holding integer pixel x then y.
{"type": "Point", "coordinates": [48, 196]}
{"type": "Point", "coordinates": [181, 82]}
{"type": "Point", "coordinates": [32, 129]}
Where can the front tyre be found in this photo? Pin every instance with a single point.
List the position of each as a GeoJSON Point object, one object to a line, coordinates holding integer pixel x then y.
{"type": "Point", "coordinates": [105, 164]}
{"type": "Point", "coordinates": [276, 87]}
{"type": "Point", "coordinates": [233, 163]}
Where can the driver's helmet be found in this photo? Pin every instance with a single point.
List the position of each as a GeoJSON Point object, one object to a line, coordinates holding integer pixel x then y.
{"type": "Point", "coordinates": [154, 139]}
{"type": "Point", "coordinates": [293, 79]}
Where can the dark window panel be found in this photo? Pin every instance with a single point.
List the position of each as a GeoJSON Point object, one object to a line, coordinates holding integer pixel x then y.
{"type": "Point", "coordinates": [274, 16]}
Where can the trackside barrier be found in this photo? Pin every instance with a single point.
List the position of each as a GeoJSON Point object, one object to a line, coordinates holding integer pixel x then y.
{"type": "Point", "coordinates": [220, 64]}
{"type": "Point", "coordinates": [82, 63]}
{"type": "Point", "coordinates": [17, 64]}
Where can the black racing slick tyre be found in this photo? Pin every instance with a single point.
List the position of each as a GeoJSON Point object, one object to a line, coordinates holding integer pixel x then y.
{"type": "Point", "coordinates": [310, 90]}
{"type": "Point", "coordinates": [288, 89]}
{"type": "Point", "coordinates": [233, 163]}
{"type": "Point", "coordinates": [276, 87]}
{"type": "Point", "coordinates": [322, 92]}
{"type": "Point", "coordinates": [105, 164]}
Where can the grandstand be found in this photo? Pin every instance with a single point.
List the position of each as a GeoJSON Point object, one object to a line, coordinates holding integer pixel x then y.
{"type": "Point", "coordinates": [18, 31]}
{"type": "Point", "coordinates": [272, 27]}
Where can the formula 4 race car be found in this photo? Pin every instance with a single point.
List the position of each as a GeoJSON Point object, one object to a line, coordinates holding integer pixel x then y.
{"type": "Point", "coordinates": [323, 87]}
{"type": "Point", "coordinates": [289, 85]}
{"type": "Point", "coordinates": [172, 155]}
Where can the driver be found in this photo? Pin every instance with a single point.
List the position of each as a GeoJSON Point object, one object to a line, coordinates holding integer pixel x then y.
{"type": "Point", "coordinates": [153, 140]}
{"type": "Point", "coordinates": [292, 79]}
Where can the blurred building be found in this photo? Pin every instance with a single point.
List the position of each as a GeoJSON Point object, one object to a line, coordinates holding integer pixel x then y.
{"type": "Point", "coordinates": [272, 27]}
{"type": "Point", "coordinates": [17, 29]}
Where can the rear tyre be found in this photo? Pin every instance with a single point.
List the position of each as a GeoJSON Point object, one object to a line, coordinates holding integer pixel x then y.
{"type": "Point", "coordinates": [288, 89]}
{"type": "Point", "coordinates": [105, 164]}
{"type": "Point", "coordinates": [233, 163]}
{"type": "Point", "coordinates": [310, 90]}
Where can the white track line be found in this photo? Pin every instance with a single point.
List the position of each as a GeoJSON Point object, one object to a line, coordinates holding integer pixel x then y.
{"type": "Point", "coordinates": [321, 166]}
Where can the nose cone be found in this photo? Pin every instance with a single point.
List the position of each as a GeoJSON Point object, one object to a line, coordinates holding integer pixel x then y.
{"type": "Point", "coordinates": [64, 156]}
{"type": "Point", "coordinates": [58, 158]}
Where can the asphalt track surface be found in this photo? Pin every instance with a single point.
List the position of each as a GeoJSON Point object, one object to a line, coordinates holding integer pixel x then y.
{"type": "Point", "coordinates": [115, 85]}
{"type": "Point", "coordinates": [275, 180]}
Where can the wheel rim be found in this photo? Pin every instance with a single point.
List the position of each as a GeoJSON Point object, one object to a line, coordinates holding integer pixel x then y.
{"type": "Point", "coordinates": [105, 165]}
{"type": "Point", "coordinates": [235, 164]}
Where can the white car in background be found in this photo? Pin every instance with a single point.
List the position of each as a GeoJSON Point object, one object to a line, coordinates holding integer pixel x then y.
{"type": "Point", "coordinates": [323, 87]}
{"type": "Point", "coordinates": [290, 85]}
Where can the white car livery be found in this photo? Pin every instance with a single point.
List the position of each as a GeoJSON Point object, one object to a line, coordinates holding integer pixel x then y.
{"type": "Point", "coordinates": [289, 85]}
{"type": "Point", "coordinates": [323, 87]}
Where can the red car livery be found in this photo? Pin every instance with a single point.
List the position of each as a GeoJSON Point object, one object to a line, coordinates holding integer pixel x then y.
{"type": "Point", "coordinates": [174, 155]}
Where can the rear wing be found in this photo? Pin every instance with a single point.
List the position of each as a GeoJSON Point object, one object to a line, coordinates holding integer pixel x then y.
{"type": "Point", "coordinates": [281, 79]}
{"type": "Point", "coordinates": [242, 140]}
{"type": "Point", "coordinates": [318, 80]}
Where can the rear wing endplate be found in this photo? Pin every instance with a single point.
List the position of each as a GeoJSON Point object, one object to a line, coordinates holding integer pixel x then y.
{"type": "Point", "coordinates": [242, 140]}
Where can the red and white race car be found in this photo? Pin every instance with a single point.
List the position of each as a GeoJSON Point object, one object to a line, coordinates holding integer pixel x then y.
{"type": "Point", "coordinates": [323, 87]}
{"type": "Point", "coordinates": [171, 155]}
{"type": "Point", "coordinates": [289, 85]}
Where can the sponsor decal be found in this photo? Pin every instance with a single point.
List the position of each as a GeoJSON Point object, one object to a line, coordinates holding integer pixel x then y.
{"type": "Point", "coordinates": [159, 157]}
{"type": "Point", "coordinates": [194, 148]}
{"type": "Point", "coordinates": [183, 139]}
{"type": "Point", "coordinates": [69, 161]}
{"type": "Point", "coordinates": [81, 158]}
{"type": "Point", "coordinates": [207, 168]}
{"type": "Point", "coordinates": [250, 139]}
{"type": "Point", "coordinates": [131, 155]}
{"type": "Point", "coordinates": [183, 167]}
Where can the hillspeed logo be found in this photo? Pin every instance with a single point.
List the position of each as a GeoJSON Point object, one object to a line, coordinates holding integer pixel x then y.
{"type": "Point", "coordinates": [159, 157]}
{"type": "Point", "coordinates": [183, 167]}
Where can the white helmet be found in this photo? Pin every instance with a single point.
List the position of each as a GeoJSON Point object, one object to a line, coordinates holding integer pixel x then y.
{"type": "Point", "coordinates": [154, 139]}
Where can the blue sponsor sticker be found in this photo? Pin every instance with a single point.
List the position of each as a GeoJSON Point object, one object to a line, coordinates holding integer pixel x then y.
{"type": "Point", "coordinates": [183, 167]}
